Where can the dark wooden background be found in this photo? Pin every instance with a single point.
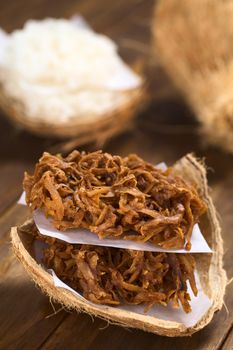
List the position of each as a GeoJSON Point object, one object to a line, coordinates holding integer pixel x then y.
{"type": "Point", "coordinates": [166, 131]}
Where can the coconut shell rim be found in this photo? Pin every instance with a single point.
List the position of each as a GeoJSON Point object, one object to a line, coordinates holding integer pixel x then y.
{"type": "Point", "coordinates": [216, 274]}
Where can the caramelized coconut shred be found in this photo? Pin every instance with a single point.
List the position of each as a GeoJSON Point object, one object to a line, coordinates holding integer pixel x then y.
{"type": "Point", "coordinates": [125, 198]}
{"type": "Point", "coordinates": [114, 196]}
{"type": "Point", "coordinates": [113, 276]}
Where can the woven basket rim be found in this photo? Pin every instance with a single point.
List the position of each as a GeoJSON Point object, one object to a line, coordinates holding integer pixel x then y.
{"type": "Point", "coordinates": [15, 111]}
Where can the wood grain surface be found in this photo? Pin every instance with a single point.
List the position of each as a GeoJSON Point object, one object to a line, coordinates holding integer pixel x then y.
{"type": "Point", "coordinates": [165, 131]}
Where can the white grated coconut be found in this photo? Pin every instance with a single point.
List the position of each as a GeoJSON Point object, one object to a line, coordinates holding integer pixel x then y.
{"type": "Point", "coordinates": [61, 69]}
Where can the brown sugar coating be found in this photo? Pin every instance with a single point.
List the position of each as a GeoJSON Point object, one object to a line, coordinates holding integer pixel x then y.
{"type": "Point", "coordinates": [114, 276]}
{"type": "Point", "coordinates": [114, 196]}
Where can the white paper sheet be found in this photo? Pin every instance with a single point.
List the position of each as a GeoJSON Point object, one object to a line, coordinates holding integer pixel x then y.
{"type": "Point", "coordinates": [199, 304]}
{"type": "Point", "coordinates": [22, 199]}
{"type": "Point", "coordinates": [82, 236]}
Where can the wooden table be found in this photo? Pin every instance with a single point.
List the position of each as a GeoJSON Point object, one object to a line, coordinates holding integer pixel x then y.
{"type": "Point", "coordinates": [166, 131]}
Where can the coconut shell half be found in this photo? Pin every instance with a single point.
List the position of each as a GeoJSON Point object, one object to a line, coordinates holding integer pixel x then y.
{"type": "Point", "coordinates": [210, 268]}
{"type": "Point", "coordinates": [202, 73]}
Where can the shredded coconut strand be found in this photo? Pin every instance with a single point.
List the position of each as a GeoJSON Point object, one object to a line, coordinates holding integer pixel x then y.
{"type": "Point", "coordinates": [62, 66]}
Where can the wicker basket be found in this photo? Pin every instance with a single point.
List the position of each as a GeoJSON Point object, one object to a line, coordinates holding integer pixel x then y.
{"type": "Point", "coordinates": [92, 128]}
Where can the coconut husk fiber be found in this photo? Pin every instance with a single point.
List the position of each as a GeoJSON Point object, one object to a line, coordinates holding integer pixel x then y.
{"type": "Point", "coordinates": [209, 266]}
{"type": "Point", "coordinates": [193, 40]}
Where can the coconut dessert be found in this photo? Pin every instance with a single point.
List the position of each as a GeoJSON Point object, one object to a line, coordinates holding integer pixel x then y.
{"type": "Point", "coordinates": [114, 236]}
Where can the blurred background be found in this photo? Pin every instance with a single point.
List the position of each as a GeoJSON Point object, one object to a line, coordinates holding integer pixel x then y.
{"type": "Point", "coordinates": [165, 129]}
